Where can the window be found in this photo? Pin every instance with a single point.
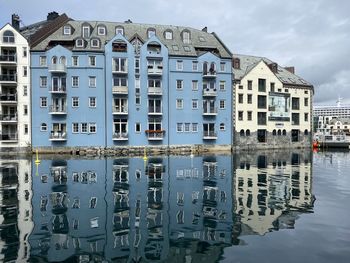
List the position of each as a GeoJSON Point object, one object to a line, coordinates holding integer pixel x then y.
{"type": "Point", "coordinates": [83, 127]}
{"type": "Point", "coordinates": [222, 85]}
{"type": "Point", "coordinates": [222, 126]}
{"type": "Point", "coordinates": [249, 116]}
{"type": "Point", "coordinates": [186, 37]}
{"type": "Point", "coordinates": [43, 102]}
{"type": "Point", "coordinates": [295, 103]}
{"type": "Point", "coordinates": [168, 35]}
{"type": "Point", "coordinates": [25, 109]}
{"type": "Point", "coordinates": [25, 71]}
{"type": "Point", "coordinates": [86, 31]}
{"type": "Point", "coordinates": [179, 84]}
{"type": "Point", "coordinates": [75, 102]}
{"type": "Point", "coordinates": [43, 82]}
{"type": "Point", "coordinates": [79, 43]}
{"type": "Point", "coordinates": [66, 30]}
{"type": "Point", "coordinates": [240, 98]}
{"type": "Point", "coordinates": [261, 135]}
{"type": "Point", "coordinates": [240, 115]}
{"type": "Point", "coordinates": [187, 127]}
{"type": "Point", "coordinates": [250, 84]}
{"type": "Point", "coordinates": [241, 133]}
{"type": "Point", "coordinates": [8, 37]}
{"type": "Point", "coordinates": [92, 127]}
{"type": "Point", "coordinates": [179, 65]}
{"type": "Point", "coordinates": [43, 127]}
{"type": "Point", "coordinates": [262, 102]}
{"type": "Point", "coordinates": [195, 65]}
{"type": "Point", "coordinates": [262, 85]}
{"type": "Point", "coordinates": [25, 52]}
{"type": "Point", "coordinates": [222, 104]}
{"type": "Point", "coordinates": [101, 31]}
{"type": "Point", "coordinates": [119, 30]}
{"type": "Point", "coordinates": [120, 65]}
{"type": "Point", "coordinates": [194, 127]}
{"type": "Point", "coordinates": [92, 82]}
{"type": "Point", "coordinates": [42, 61]}
{"type": "Point", "coordinates": [272, 87]}
{"type": "Point", "coordinates": [92, 102]}
{"type": "Point", "coordinates": [222, 66]}
{"type": "Point", "coordinates": [95, 43]}
{"type": "Point", "coordinates": [249, 98]}
{"type": "Point", "coordinates": [151, 32]}
{"type": "Point", "coordinates": [261, 118]}
{"type": "Point", "coordinates": [306, 102]}
{"type": "Point", "coordinates": [137, 127]}
{"type": "Point", "coordinates": [75, 81]}
{"type": "Point", "coordinates": [25, 90]}
{"type": "Point", "coordinates": [194, 84]}
{"type": "Point", "coordinates": [75, 127]}
{"type": "Point", "coordinates": [179, 104]}
{"type": "Point", "coordinates": [75, 61]}
{"type": "Point", "coordinates": [92, 61]}
{"type": "Point", "coordinates": [306, 117]}
{"type": "Point", "coordinates": [194, 104]}
{"type": "Point", "coordinates": [120, 82]}
{"type": "Point", "coordinates": [179, 127]}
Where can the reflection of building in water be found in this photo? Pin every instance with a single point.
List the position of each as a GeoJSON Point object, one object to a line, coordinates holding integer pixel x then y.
{"type": "Point", "coordinates": [15, 210]}
{"type": "Point", "coordinates": [270, 190]}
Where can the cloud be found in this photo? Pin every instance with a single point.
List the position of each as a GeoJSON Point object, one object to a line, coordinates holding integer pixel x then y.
{"type": "Point", "coordinates": [313, 36]}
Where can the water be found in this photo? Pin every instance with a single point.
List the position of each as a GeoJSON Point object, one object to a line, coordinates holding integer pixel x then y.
{"type": "Point", "coordinates": [262, 206]}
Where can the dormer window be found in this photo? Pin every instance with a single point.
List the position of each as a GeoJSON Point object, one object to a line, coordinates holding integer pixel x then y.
{"type": "Point", "coordinates": [119, 30]}
{"type": "Point", "coordinates": [86, 31]}
{"type": "Point", "coordinates": [8, 37]}
{"type": "Point", "coordinates": [119, 46]}
{"type": "Point", "coordinates": [168, 35]}
{"type": "Point", "coordinates": [151, 32]}
{"type": "Point", "coordinates": [95, 43]}
{"type": "Point", "coordinates": [101, 31]}
{"type": "Point", "coordinates": [79, 43]}
{"type": "Point", "coordinates": [67, 30]}
{"type": "Point", "coordinates": [186, 37]}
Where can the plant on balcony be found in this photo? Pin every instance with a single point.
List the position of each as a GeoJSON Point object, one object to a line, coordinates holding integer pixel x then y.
{"type": "Point", "coordinates": [154, 131]}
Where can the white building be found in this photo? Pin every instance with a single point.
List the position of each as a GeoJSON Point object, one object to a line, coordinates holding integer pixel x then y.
{"type": "Point", "coordinates": [14, 88]}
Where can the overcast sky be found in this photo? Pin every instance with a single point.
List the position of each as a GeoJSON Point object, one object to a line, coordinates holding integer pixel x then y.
{"type": "Point", "coordinates": [312, 35]}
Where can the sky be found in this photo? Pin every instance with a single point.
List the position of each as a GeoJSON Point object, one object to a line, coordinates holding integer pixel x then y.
{"type": "Point", "coordinates": [311, 35]}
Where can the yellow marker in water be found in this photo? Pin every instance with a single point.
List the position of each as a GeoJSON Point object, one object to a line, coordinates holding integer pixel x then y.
{"type": "Point", "coordinates": [37, 161]}
{"type": "Point", "coordinates": [145, 155]}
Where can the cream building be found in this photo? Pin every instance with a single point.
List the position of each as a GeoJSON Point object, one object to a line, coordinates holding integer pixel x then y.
{"type": "Point", "coordinates": [14, 89]}
{"type": "Point", "coordinates": [273, 106]}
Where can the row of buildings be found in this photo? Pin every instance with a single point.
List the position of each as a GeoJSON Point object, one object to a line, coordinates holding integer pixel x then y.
{"type": "Point", "coordinates": [69, 84]}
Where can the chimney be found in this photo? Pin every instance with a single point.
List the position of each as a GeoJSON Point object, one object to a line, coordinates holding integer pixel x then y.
{"type": "Point", "coordinates": [52, 16]}
{"type": "Point", "coordinates": [290, 69]}
{"type": "Point", "coordinates": [273, 67]}
{"type": "Point", "coordinates": [15, 21]}
{"type": "Point", "coordinates": [128, 21]}
{"type": "Point", "coordinates": [205, 29]}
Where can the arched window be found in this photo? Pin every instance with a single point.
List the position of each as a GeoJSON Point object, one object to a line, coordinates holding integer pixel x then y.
{"type": "Point", "coordinates": [212, 68]}
{"type": "Point", "coordinates": [205, 68]}
{"type": "Point", "coordinates": [186, 37]}
{"type": "Point", "coordinates": [63, 60]}
{"type": "Point", "coordinates": [247, 133]}
{"type": "Point", "coordinates": [241, 133]}
{"type": "Point", "coordinates": [284, 132]}
{"type": "Point", "coordinates": [8, 37]}
{"type": "Point", "coordinates": [306, 132]}
{"type": "Point", "coordinates": [274, 133]}
{"type": "Point", "coordinates": [279, 133]}
{"type": "Point", "coordinates": [222, 126]}
{"type": "Point", "coordinates": [168, 34]}
{"type": "Point", "coordinates": [54, 60]}
{"type": "Point", "coordinates": [43, 127]}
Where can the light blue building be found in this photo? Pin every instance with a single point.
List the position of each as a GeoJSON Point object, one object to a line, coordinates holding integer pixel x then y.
{"type": "Point", "coordinates": [107, 84]}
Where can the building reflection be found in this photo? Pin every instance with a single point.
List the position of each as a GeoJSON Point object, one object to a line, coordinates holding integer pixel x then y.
{"type": "Point", "coordinates": [169, 209]}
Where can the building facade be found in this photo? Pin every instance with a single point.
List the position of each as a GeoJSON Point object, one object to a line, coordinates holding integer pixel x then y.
{"type": "Point", "coordinates": [105, 84]}
{"type": "Point", "coordinates": [15, 109]}
{"type": "Point", "coordinates": [273, 106]}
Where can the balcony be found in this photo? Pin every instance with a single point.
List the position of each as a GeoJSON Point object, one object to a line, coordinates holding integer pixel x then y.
{"type": "Point", "coordinates": [209, 74]}
{"type": "Point", "coordinates": [8, 117]}
{"type": "Point", "coordinates": [155, 70]}
{"type": "Point", "coordinates": [9, 137]}
{"type": "Point", "coordinates": [58, 136]}
{"type": "Point", "coordinates": [8, 78]}
{"type": "Point", "coordinates": [117, 110]}
{"type": "Point", "coordinates": [58, 68]}
{"type": "Point", "coordinates": [209, 92]}
{"type": "Point", "coordinates": [155, 135]}
{"type": "Point", "coordinates": [58, 109]}
{"type": "Point", "coordinates": [8, 98]}
{"type": "Point", "coordinates": [120, 90]}
{"type": "Point", "coordinates": [155, 111]}
{"type": "Point", "coordinates": [209, 135]}
{"type": "Point", "coordinates": [155, 91]}
{"type": "Point", "coordinates": [58, 90]}
{"type": "Point", "coordinates": [8, 59]}
{"type": "Point", "coordinates": [210, 111]}
{"type": "Point", "coordinates": [120, 136]}
{"type": "Point", "coordinates": [121, 70]}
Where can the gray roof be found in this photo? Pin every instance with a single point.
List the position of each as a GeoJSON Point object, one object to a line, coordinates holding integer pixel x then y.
{"type": "Point", "coordinates": [344, 121]}
{"type": "Point", "coordinates": [28, 31]}
{"type": "Point", "coordinates": [199, 39]}
{"type": "Point", "coordinates": [247, 63]}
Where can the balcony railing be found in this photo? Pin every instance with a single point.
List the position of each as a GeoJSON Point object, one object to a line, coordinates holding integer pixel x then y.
{"type": "Point", "coordinates": [120, 136]}
{"type": "Point", "coordinates": [120, 70]}
{"type": "Point", "coordinates": [155, 111]}
{"type": "Point", "coordinates": [209, 92]}
{"type": "Point", "coordinates": [155, 91]}
{"type": "Point", "coordinates": [155, 70]}
{"type": "Point", "coordinates": [210, 111]}
{"type": "Point", "coordinates": [209, 74]}
{"type": "Point", "coordinates": [8, 117]}
{"type": "Point", "coordinates": [58, 90]}
{"type": "Point", "coordinates": [8, 58]}
{"type": "Point", "coordinates": [58, 109]}
{"type": "Point", "coordinates": [8, 78]}
{"type": "Point", "coordinates": [58, 68]}
{"type": "Point", "coordinates": [9, 137]}
{"type": "Point", "coordinates": [58, 136]}
{"type": "Point", "coordinates": [117, 110]}
{"type": "Point", "coordinates": [209, 135]}
{"type": "Point", "coordinates": [8, 97]}
{"type": "Point", "coordinates": [120, 90]}
{"type": "Point", "coordinates": [155, 135]}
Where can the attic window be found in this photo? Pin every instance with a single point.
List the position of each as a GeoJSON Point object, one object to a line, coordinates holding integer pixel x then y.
{"type": "Point", "coordinates": [119, 30]}
{"type": "Point", "coordinates": [154, 48]}
{"type": "Point", "coordinates": [168, 35]}
{"type": "Point", "coordinates": [79, 43]}
{"type": "Point", "coordinates": [67, 30]}
{"type": "Point", "coordinates": [175, 47]}
{"type": "Point", "coordinates": [101, 31]}
{"type": "Point", "coordinates": [187, 48]}
{"type": "Point", "coordinates": [151, 32]}
{"type": "Point", "coordinates": [86, 31]}
{"type": "Point", "coordinates": [201, 39]}
{"type": "Point", "coordinates": [119, 46]}
{"type": "Point", "coordinates": [95, 43]}
{"type": "Point", "coordinates": [186, 37]}
{"type": "Point", "coordinates": [236, 63]}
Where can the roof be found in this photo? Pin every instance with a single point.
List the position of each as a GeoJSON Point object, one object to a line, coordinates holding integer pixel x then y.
{"type": "Point", "coordinates": [344, 121]}
{"type": "Point", "coordinates": [247, 63]}
{"type": "Point", "coordinates": [200, 40]}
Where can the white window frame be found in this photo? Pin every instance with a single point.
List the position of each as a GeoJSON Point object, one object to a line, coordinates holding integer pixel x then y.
{"type": "Point", "coordinates": [168, 35]}
{"type": "Point", "coordinates": [95, 43]}
{"type": "Point", "coordinates": [43, 81]}
{"type": "Point", "coordinates": [119, 30]}
{"type": "Point", "coordinates": [82, 128]}
{"type": "Point", "coordinates": [100, 29]}
{"type": "Point", "coordinates": [187, 127]}
{"type": "Point", "coordinates": [43, 61]}
{"type": "Point", "coordinates": [195, 85]}
{"type": "Point", "coordinates": [79, 42]}
{"type": "Point", "coordinates": [92, 81]}
{"type": "Point", "coordinates": [222, 106]}
{"type": "Point", "coordinates": [195, 65]}
{"type": "Point", "coordinates": [67, 30]}
{"type": "Point", "coordinates": [194, 104]}
{"type": "Point", "coordinates": [182, 84]}
{"type": "Point", "coordinates": [222, 85]}
{"type": "Point", "coordinates": [179, 104]}
{"type": "Point", "coordinates": [179, 127]}
{"type": "Point", "coordinates": [75, 100]}
{"type": "Point", "coordinates": [179, 65]}
{"type": "Point", "coordinates": [195, 127]}
{"type": "Point", "coordinates": [73, 61]}
{"type": "Point", "coordinates": [43, 99]}
{"type": "Point", "coordinates": [75, 78]}
{"type": "Point", "coordinates": [88, 31]}
{"type": "Point", "coordinates": [222, 127]}
{"type": "Point", "coordinates": [151, 32]}
{"type": "Point", "coordinates": [92, 125]}
{"type": "Point", "coordinates": [92, 102]}
{"type": "Point", "coordinates": [75, 125]}
{"type": "Point", "coordinates": [222, 66]}
{"type": "Point", "coordinates": [92, 61]}
{"type": "Point", "coordinates": [42, 127]}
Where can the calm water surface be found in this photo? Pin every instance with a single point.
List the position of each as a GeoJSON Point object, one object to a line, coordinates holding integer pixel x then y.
{"type": "Point", "coordinates": [252, 207]}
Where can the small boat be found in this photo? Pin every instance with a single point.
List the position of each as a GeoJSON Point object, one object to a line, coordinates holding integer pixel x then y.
{"type": "Point", "coordinates": [332, 141]}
